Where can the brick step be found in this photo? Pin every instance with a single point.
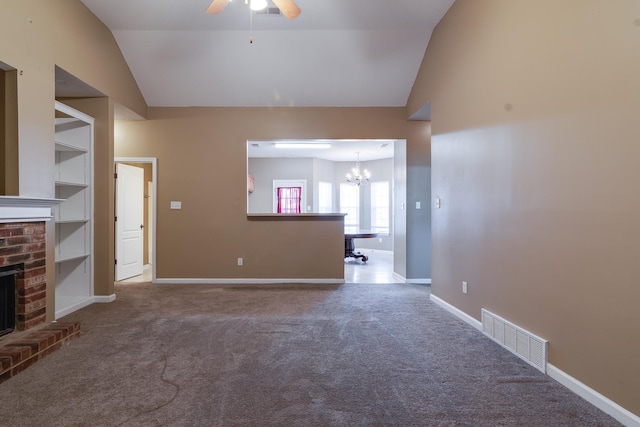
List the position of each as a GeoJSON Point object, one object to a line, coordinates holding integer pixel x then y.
{"type": "Point", "coordinates": [25, 348]}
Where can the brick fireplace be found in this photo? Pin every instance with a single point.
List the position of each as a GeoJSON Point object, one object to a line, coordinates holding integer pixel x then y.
{"type": "Point", "coordinates": [23, 246]}
{"type": "Point", "coordinates": [23, 249]}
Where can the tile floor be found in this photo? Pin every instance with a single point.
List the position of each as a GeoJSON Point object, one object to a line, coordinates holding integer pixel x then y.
{"type": "Point", "coordinates": [377, 269]}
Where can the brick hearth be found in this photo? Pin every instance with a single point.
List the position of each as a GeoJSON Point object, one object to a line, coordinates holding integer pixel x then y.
{"type": "Point", "coordinates": [20, 350]}
{"type": "Point", "coordinates": [23, 244]}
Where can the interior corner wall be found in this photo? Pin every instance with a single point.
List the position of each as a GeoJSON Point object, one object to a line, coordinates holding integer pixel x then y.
{"type": "Point", "coordinates": [3, 125]}
{"type": "Point", "coordinates": [10, 133]}
{"type": "Point", "coordinates": [400, 256]}
{"type": "Point", "coordinates": [535, 110]}
{"type": "Point", "coordinates": [86, 48]}
{"type": "Point", "coordinates": [419, 219]}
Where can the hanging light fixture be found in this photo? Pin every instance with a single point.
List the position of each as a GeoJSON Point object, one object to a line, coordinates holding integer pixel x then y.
{"type": "Point", "coordinates": [358, 177]}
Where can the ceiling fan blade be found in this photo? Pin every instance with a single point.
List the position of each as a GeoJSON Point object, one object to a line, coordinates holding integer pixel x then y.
{"type": "Point", "coordinates": [288, 8]}
{"type": "Point", "coordinates": [216, 6]}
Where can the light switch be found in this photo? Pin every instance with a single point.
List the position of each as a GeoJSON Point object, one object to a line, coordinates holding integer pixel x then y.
{"type": "Point", "coordinates": [417, 205]}
{"type": "Point", "coordinates": [176, 205]}
{"type": "Point", "coordinates": [438, 203]}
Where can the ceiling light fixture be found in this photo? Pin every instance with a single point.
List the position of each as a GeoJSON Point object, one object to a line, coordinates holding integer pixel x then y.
{"type": "Point", "coordinates": [357, 177]}
{"type": "Point", "coordinates": [258, 4]}
{"type": "Point", "coordinates": [301, 145]}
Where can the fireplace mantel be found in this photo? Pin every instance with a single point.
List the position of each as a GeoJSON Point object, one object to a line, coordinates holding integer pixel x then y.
{"type": "Point", "coordinates": [23, 209]}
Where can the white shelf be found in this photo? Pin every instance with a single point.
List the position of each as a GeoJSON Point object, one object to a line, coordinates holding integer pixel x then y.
{"type": "Point", "coordinates": [71, 258]}
{"type": "Point", "coordinates": [71, 184]}
{"type": "Point", "coordinates": [72, 221]}
{"type": "Point", "coordinates": [61, 146]}
{"type": "Point", "coordinates": [73, 216]}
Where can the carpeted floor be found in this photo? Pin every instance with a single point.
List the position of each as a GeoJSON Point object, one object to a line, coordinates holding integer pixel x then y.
{"type": "Point", "coordinates": [290, 355]}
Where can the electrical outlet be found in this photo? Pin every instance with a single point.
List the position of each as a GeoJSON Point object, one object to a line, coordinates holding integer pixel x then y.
{"type": "Point", "coordinates": [465, 287]}
{"type": "Point", "coordinates": [240, 262]}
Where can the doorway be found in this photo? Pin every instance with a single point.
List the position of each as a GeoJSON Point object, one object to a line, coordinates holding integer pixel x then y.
{"type": "Point", "coordinates": [149, 206]}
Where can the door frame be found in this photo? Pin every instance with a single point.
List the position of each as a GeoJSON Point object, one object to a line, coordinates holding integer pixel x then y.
{"type": "Point", "coordinates": [154, 206]}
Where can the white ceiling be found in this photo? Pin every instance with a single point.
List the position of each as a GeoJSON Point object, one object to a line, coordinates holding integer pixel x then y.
{"type": "Point", "coordinates": [337, 53]}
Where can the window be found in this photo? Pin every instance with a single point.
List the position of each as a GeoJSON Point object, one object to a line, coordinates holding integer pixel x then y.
{"type": "Point", "coordinates": [289, 199]}
{"type": "Point", "coordinates": [350, 204]}
{"type": "Point", "coordinates": [380, 207]}
{"type": "Point", "coordinates": [289, 196]}
{"type": "Point", "coordinates": [325, 197]}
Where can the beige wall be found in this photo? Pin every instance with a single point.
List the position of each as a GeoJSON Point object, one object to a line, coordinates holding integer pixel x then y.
{"type": "Point", "coordinates": [8, 131]}
{"type": "Point", "coordinates": [202, 163]}
{"type": "Point", "coordinates": [34, 37]}
{"type": "Point", "coordinates": [535, 152]}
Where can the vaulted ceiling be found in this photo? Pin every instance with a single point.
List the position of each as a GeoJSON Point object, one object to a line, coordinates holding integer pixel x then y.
{"type": "Point", "coordinates": [337, 53]}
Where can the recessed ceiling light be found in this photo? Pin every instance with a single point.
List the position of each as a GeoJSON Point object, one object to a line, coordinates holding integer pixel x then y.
{"type": "Point", "coordinates": [301, 145]}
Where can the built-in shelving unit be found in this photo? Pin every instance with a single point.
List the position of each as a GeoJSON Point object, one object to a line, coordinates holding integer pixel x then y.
{"type": "Point", "coordinates": [73, 216]}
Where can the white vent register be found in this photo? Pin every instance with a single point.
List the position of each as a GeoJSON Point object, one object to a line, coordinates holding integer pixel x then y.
{"type": "Point", "coordinates": [519, 341]}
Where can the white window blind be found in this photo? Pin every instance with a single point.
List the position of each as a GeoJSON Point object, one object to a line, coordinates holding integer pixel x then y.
{"type": "Point", "coordinates": [350, 204]}
{"type": "Point", "coordinates": [380, 207]}
{"type": "Point", "coordinates": [325, 197]}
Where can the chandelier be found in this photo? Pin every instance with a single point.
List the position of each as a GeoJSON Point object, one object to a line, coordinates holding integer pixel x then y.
{"type": "Point", "coordinates": [358, 177]}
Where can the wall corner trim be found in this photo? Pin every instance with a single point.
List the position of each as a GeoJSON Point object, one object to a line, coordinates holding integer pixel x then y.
{"type": "Point", "coordinates": [400, 278]}
{"type": "Point", "coordinates": [457, 312]}
{"type": "Point", "coordinates": [418, 281]}
{"type": "Point", "coordinates": [596, 399]}
{"type": "Point", "coordinates": [104, 298]}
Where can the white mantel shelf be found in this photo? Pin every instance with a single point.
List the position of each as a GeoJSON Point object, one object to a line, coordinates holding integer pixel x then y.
{"type": "Point", "coordinates": [26, 209]}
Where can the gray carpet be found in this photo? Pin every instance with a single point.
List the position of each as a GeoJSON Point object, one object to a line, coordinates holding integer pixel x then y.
{"type": "Point", "coordinates": [305, 355]}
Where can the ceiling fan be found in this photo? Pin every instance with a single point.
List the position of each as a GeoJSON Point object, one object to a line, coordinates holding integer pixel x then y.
{"type": "Point", "coordinates": [287, 7]}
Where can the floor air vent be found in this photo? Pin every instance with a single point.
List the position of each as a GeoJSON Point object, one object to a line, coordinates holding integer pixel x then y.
{"type": "Point", "coordinates": [523, 343]}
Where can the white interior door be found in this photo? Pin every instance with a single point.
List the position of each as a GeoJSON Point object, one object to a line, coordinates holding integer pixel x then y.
{"type": "Point", "coordinates": [129, 220]}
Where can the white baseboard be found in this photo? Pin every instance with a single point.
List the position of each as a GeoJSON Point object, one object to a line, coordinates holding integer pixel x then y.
{"type": "Point", "coordinates": [590, 395]}
{"type": "Point", "coordinates": [374, 251]}
{"type": "Point", "coordinates": [104, 298]}
{"type": "Point", "coordinates": [180, 281]}
{"type": "Point", "coordinates": [457, 312]}
{"type": "Point", "coordinates": [418, 281]}
{"type": "Point", "coordinates": [596, 399]}
{"type": "Point", "coordinates": [399, 278]}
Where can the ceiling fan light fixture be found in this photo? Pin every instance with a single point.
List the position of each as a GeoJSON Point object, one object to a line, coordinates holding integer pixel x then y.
{"type": "Point", "coordinates": [258, 4]}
